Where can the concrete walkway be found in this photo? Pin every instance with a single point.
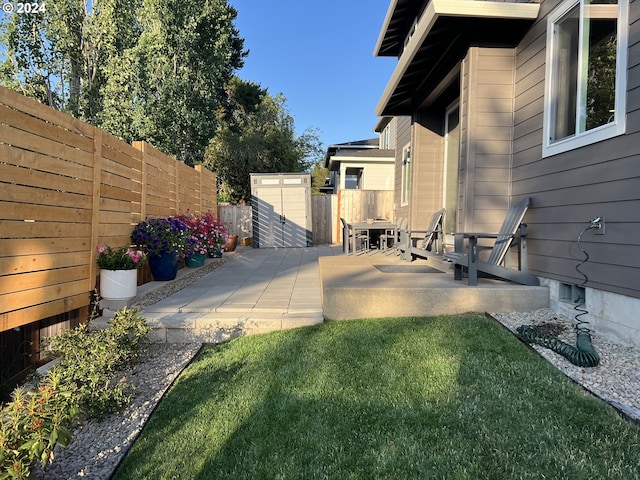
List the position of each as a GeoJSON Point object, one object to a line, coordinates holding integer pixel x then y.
{"type": "Point", "coordinates": [267, 289]}
{"type": "Point", "coordinates": [257, 291]}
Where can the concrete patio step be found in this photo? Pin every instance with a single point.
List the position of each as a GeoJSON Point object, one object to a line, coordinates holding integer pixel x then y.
{"type": "Point", "coordinates": [216, 327]}
{"type": "Point", "coordinates": [354, 288]}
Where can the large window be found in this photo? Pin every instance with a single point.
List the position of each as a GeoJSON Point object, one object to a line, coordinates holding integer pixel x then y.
{"type": "Point", "coordinates": [406, 175]}
{"type": "Point", "coordinates": [586, 73]}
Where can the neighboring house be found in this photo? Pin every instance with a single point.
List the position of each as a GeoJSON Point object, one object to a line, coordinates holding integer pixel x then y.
{"type": "Point", "coordinates": [362, 165]}
{"type": "Point", "coordinates": [513, 99]}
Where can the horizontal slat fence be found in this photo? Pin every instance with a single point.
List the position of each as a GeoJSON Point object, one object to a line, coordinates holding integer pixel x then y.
{"type": "Point", "coordinates": [67, 187]}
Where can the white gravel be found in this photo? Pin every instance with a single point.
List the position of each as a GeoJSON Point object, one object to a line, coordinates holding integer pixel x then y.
{"type": "Point", "coordinates": [98, 446]}
{"type": "Point", "coordinates": [616, 379]}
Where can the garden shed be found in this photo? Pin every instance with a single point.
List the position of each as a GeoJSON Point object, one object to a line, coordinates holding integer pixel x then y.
{"type": "Point", "coordinates": [281, 209]}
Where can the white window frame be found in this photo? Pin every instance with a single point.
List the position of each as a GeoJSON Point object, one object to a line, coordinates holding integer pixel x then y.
{"type": "Point", "coordinates": [617, 125]}
{"type": "Point", "coordinates": [405, 186]}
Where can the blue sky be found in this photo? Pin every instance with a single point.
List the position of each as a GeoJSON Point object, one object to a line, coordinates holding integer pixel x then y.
{"type": "Point", "coordinates": [319, 55]}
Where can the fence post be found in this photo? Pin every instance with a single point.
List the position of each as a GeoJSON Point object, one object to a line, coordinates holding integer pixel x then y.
{"type": "Point", "coordinates": [95, 214]}
{"type": "Point", "coordinates": [176, 179]}
{"type": "Point", "coordinates": [198, 168]}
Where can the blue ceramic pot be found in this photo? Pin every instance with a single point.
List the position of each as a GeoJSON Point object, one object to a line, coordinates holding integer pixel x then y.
{"type": "Point", "coordinates": [164, 266]}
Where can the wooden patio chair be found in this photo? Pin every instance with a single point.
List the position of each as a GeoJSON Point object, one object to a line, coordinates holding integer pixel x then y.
{"type": "Point", "coordinates": [390, 240]}
{"type": "Point", "coordinates": [513, 233]}
{"type": "Point", "coordinates": [416, 243]}
{"type": "Point", "coordinates": [348, 234]}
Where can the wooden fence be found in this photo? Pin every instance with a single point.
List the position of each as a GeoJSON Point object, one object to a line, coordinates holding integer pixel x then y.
{"type": "Point", "coordinates": [353, 206]}
{"type": "Point", "coordinates": [67, 187]}
{"type": "Point", "coordinates": [237, 219]}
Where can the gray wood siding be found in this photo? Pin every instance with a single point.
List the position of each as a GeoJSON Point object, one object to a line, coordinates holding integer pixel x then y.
{"type": "Point", "coordinates": [428, 165]}
{"type": "Point", "coordinates": [403, 137]}
{"type": "Point", "coordinates": [602, 179]}
{"type": "Point", "coordinates": [486, 137]}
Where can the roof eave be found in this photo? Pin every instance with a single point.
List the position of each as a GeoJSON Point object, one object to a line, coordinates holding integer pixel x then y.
{"type": "Point", "coordinates": [448, 8]}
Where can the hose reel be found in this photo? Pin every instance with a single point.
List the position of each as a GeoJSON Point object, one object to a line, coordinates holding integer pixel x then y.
{"type": "Point", "coordinates": [583, 354]}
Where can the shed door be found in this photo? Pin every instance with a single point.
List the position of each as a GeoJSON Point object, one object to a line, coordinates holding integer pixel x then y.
{"type": "Point", "coordinates": [282, 216]}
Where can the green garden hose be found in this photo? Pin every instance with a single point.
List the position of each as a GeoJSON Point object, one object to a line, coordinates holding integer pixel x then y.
{"type": "Point", "coordinates": [583, 354]}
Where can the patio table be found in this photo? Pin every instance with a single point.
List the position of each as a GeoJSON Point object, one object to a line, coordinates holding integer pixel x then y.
{"type": "Point", "coordinates": [377, 225]}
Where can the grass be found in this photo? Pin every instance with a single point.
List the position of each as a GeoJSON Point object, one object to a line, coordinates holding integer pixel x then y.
{"type": "Point", "coordinates": [455, 397]}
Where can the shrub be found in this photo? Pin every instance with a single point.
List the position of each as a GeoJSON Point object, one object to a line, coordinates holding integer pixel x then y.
{"type": "Point", "coordinates": [32, 424]}
{"type": "Point", "coordinates": [86, 380]}
{"type": "Point", "coordinates": [90, 361]}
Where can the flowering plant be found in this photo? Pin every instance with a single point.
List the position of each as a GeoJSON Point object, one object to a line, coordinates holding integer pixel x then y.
{"type": "Point", "coordinates": [207, 232]}
{"type": "Point", "coordinates": [122, 258]}
{"type": "Point", "coordinates": [163, 235]}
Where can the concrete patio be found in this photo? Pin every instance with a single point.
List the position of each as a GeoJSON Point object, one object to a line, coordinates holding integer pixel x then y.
{"type": "Point", "coordinates": [386, 286]}
{"type": "Point", "coordinates": [262, 290]}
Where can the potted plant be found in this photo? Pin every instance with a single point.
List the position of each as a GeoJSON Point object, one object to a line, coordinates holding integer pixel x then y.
{"type": "Point", "coordinates": [118, 271]}
{"type": "Point", "coordinates": [163, 240]}
{"type": "Point", "coordinates": [199, 228]}
{"type": "Point", "coordinates": [209, 235]}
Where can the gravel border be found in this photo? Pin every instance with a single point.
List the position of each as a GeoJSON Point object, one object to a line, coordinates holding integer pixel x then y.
{"type": "Point", "coordinates": [616, 379]}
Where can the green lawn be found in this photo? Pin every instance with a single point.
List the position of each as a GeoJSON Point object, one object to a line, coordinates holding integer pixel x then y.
{"type": "Point", "coordinates": [447, 397]}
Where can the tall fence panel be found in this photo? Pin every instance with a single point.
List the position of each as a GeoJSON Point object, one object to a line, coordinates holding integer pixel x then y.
{"type": "Point", "coordinates": [237, 219]}
{"type": "Point", "coordinates": [359, 205]}
{"type": "Point", "coordinates": [321, 212]}
{"type": "Point", "coordinates": [65, 188]}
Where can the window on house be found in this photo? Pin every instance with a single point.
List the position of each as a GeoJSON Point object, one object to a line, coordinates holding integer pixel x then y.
{"type": "Point", "coordinates": [406, 175]}
{"type": "Point", "coordinates": [586, 74]}
{"type": "Point", "coordinates": [353, 178]}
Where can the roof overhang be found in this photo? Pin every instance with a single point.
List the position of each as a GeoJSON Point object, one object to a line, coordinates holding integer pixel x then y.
{"type": "Point", "coordinates": [333, 162]}
{"type": "Point", "coordinates": [443, 33]}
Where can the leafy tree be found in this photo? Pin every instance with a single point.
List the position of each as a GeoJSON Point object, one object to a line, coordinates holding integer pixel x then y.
{"type": "Point", "coordinates": [260, 141]}
{"type": "Point", "coordinates": [179, 68]}
{"type": "Point", "coordinates": [152, 70]}
{"type": "Point", "coordinates": [318, 176]}
{"type": "Point", "coordinates": [59, 56]}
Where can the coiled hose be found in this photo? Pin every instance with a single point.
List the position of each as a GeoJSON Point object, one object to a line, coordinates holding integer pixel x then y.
{"type": "Point", "coordinates": [583, 354]}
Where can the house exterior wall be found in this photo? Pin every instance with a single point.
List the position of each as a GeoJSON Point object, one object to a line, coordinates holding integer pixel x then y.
{"type": "Point", "coordinates": [501, 128]}
{"type": "Point", "coordinates": [427, 169]}
{"type": "Point", "coordinates": [602, 179]}
{"type": "Point", "coordinates": [486, 135]}
{"type": "Point", "coordinates": [403, 137]}
{"type": "Point", "coordinates": [378, 177]}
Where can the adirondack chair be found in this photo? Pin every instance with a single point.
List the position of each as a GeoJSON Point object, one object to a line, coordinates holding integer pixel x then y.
{"type": "Point", "coordinates": [513, 233]}
{"type": "Point", "coordinates": [419, 243]}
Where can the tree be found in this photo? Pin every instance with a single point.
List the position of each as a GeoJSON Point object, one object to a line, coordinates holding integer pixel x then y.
{"type": "Point", "coordinates": [59, 55]}
{"type": "Point", "coordinates": [260, 141]}
{"type": "Point", "coordinates": [319, 174]}
{"type": "Point", "coordinates": [152, 70]}
{"type": "Point", "coordinates": [184, 58]}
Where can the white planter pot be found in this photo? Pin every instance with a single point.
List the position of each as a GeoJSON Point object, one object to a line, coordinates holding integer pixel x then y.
{"type": "Point", "coordinates": [118, 284]}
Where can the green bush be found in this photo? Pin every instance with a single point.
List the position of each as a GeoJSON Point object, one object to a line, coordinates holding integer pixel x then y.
{"type": "Point", "coordinates": [90, 362]}
{"type": "Point", "coordinates": [87, 379]}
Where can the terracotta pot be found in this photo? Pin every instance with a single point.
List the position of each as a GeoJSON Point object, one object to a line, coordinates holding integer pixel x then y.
{"type": "Point", "coordinates": [232, 243]}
